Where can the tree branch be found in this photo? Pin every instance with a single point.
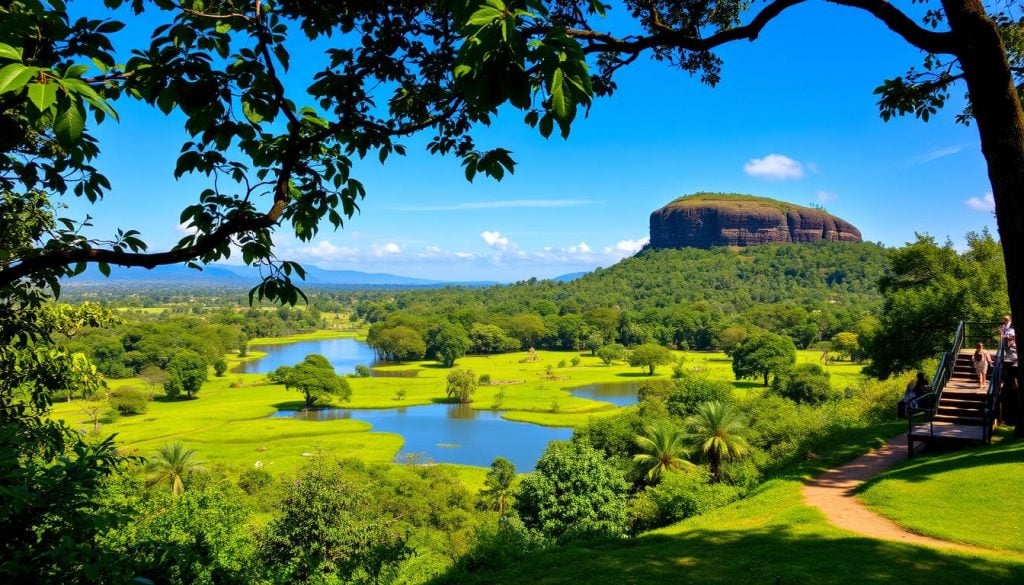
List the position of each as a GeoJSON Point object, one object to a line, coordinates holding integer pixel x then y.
{"type": "Point", "coordinates": [901, 24]}
{"type": "Point", "coordinates": [897, 21]}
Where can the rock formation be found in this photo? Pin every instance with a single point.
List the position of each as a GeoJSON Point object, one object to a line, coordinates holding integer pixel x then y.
{"type": "Point", "coordinates": [705, 220]}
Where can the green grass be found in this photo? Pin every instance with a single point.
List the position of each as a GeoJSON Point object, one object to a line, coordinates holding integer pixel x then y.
{"type": "Point", "coordinates": [311, 336]}
{"type": "Point", "coordinates": [971, 496]}
{"type": "Point", "coordinates": [768, 537]}
{"type": "Point", "coordinates": [229, 428]}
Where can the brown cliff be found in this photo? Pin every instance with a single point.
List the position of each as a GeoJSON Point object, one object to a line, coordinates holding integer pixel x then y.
{"type": "Point", "coordinates": [705, 220]}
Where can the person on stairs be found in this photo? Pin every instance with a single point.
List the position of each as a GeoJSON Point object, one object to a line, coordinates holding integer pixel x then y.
{"type": "Point", "coordinates": [982, 361]}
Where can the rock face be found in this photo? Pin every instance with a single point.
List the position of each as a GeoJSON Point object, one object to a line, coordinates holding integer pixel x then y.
{"type": "Point", "coordinates": [705, 220]}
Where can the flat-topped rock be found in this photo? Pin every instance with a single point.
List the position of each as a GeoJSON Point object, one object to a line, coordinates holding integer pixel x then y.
{"type": "Point", "coordinates": [706, 220]}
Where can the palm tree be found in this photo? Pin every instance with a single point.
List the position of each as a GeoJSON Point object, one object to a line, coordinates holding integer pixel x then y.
{"type": "Point", "coordinates": [715, 432]}
{"type": "Point", "coordinates": [172, 463]}
{"type": "Point", "coordinates": [663, 449]}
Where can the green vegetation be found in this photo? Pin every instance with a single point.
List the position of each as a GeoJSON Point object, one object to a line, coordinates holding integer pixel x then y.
{"type": "Point", "coordinates": [768, 537]}
{"type": "Point", "coordinates": [968, 496]}
{"type": "Point", "coordinates": [314, 376]}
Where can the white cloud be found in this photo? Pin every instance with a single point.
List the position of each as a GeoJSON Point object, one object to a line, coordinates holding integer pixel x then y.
{"type": "Point", "coordinates": [387, 249]}
{"type": "Point", "coordinates": [328, 252]}
{"type": "Point", "coordinates": [627, 247]}
{"type": "Point", "coordinates": [825, 196]}
{"type": "Point", "coordinates": [508, 203]}
{"type": "Point", "coordinates": [494, 239]}
{"type": "Point", "coordinates": [937, 153]}
{"type": "Point", "coordinates": [187, 229]}
{"type": "Point", "coordinates": [984, 203]}
{"type": "Point", "coordinates": [774, 167]}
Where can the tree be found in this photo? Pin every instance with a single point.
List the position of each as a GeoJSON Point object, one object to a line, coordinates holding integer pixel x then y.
{"type": "Point", "coordinates": [573, 491]}
{"type": "Point", "coordinates": [186, 371]}
{"type": "Point", "coordinates": [927, 291]}
{"type": "Point", "coordinates": [730, 337]}
{"type": "Point", "coordinates": [662, 449]}
{"type": "Point", "coordinates": [327, 530]}
{"type": "Point", "coordinates": [806, 383]}
{"type": "Point", "coordinates": [287, 155]}
{"type": "Point", "coordinates": [447, 342]}
{"type": "Point", "coordinates": [762, 354]}
{"type": "Point", "coordinates": [715, 433]}
{"type": "Point", "coordinates": [650, 356]}
{"type": "Point", "coordinates": [845, 343]}
{"type": "Point", "coordinates": [173, 464]}
{"type": "Point", "coordinates": [611, 352]}
{"type": "Point", "coordinates": [490, 339]}
{"type": "Point", "coordinates": [498, 485]}
{"type": "Point", "coordinates": [95, 409]}
{"type": "Point", "coordinates": [461, 385]}
{"type": "Point", "coordinates": [315, 377]}
{"type": "Point", "coordinates": [399, 343]}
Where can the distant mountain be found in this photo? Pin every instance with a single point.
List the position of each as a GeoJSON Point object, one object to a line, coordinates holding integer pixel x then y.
{"type": "Point", "coordinates": [569, 277]}
{"type": "Point", "coordinates": [222, 275]}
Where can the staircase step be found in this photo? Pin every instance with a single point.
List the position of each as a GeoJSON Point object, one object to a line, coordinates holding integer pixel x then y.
{"type": "Point", "coordinates": [960, 420]}
{"type": "Point", "coordinates": [958, 412]}
{"type": "Point", "coordinates": [958, 403]}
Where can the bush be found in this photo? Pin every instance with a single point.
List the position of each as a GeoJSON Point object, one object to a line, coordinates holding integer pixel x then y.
{"type": "Point", "coordinates": [110, 416]}
{"type": "Point", "coordinates": [485, 379]}
{"type": "Point", "coordinates": [575, 361]}
{"type": "Point", "coordinates": [254, 479]}
{"type": "Point", "coordinates": [690, 391]}
{"type": "Point", "coordinates": [806, 384]}
{"type": "Point", "coordinates": [129, 401]}
{"type": "Point", "coordinates": [501, 545]}
{"type": "Point", "coordinates": [362, 371]}
{"type": "Point", "coordinates": [681, 495]}
{"type": "Point", "coordinates": [219, 367]}
{"type": "Point", "coordinates": [561, 363]}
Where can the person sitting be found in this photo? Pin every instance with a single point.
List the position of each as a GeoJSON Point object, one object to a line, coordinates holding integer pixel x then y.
{"type": "Point", "coordinates": [917, 388]}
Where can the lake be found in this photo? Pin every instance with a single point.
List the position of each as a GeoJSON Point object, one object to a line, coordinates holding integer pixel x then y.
{"type": "Point", "coordinates": [451, 433]}
{"type": "Point", "coordinates": [443, 433]}
{"type": "Point", "coordinates": [344, 354]}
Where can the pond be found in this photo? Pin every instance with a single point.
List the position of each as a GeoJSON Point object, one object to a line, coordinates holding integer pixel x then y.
{"type": "Point", "coordinates": [444, 433]}
{"type": "Point", "coordinates": [344, 354]}
{"type": "Point", "coordinates": [451, 433]}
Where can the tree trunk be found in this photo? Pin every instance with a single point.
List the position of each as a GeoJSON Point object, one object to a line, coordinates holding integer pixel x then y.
{"type": "Point", "coordinates": [766, 379]}
{"type": "Point", "coordinates": [997, 111]}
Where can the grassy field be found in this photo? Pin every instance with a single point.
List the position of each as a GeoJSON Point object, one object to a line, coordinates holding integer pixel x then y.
{"type": "Point", "coordinates": [768, 537]}
{"type": "Point", "coordinates": [970, 496]}
{"type": "Point", "coordinates": [228, 421]}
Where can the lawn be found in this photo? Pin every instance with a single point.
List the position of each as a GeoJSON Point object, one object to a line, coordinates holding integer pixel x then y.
{"type": "Point", "coordinates": [971, 496]}
{"type": "Point", "coordinates": [227, 423]}
{"type": "Point", "coordinates": [769, 537]}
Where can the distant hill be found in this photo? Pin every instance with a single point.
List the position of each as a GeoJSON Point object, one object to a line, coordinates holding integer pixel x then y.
{"type": "Point", "coordinates": [569, 277]}
{"type": "Point", "coordinates": [225, 276]}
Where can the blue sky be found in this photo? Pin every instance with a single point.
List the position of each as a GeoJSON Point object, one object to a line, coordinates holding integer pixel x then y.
{"type": "Point", "coordinates": [794, 118]}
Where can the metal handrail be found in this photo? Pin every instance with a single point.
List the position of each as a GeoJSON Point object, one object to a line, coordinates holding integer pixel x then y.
{"type": "Point", "coordinates": [995, 382]}
{"type": "Point", "coordinates": [944, 373]}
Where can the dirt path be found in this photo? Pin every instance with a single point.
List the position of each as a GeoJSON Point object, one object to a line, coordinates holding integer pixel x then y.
{"type": "Point", "coordinates": [833, 493]}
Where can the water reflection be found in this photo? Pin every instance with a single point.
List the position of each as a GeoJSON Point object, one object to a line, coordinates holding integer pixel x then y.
{"type": "Point", "coordinates": [618, 393]}
{"type": "Point", "coordinates": [344, 355]}
{"type": "Point", "coordinates": [450, 433]}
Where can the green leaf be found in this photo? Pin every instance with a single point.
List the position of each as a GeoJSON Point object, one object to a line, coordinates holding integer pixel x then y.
{"type": "Point", "coordinates": [9, 52]}
{"type": "Point", "coordinates": [250, 114]}
{"type": "Point", "coordinates": [484, 16]}
{"type": "Point", "coordinates": [14, 76]}
{"type": "Point", "coordinates": [42, 95]}
{"type": "Point", "coordinates": [559, 100]}
{"type": "Point", "coordinates": [76, 70]}
{"type": "Point", "coordinates": [69, 124]}
{"type": "Point", "coordinates": [104, 268]}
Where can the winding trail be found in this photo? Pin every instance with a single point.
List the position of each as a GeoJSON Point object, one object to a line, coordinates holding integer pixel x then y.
{"type": "Point", "coordinates": [833, 492]}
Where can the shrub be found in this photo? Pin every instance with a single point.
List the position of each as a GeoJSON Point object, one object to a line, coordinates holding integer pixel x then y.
{"type": "Point", "coordinates": [219, 367]}
{"type": "Point", "coordinates": [400, 394]}
{"type": "Point", "coordinates": [254, 479]}
{"type": "Point", "coordinates": [575, 361]}
{"type": "Point", "coordinates": [362, 371]}
{"type": "Point", "coordinates": [129, 401]}
{"type": "Point", "coordinates": [109, 416]}
{"type": "Point", "coordinates": [561, 363]}
{"type": "Point", "coordinates": [573, 492]}
{"type": "Point", "coordinates": [681, 495]}
{"type": "Point", "coordinates": [690, 391]}
{"type": "Point", "coordinates": [485, 379]}
{"type": "Point", "coordinates": [805, 383]}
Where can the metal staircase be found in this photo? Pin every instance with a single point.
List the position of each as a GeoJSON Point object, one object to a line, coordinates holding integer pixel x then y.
{"type": "Point", "coordinates": [957, 410]}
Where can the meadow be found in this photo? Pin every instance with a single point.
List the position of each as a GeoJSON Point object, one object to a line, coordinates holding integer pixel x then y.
{"type": "Point", "coordinates": [227, 423]}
